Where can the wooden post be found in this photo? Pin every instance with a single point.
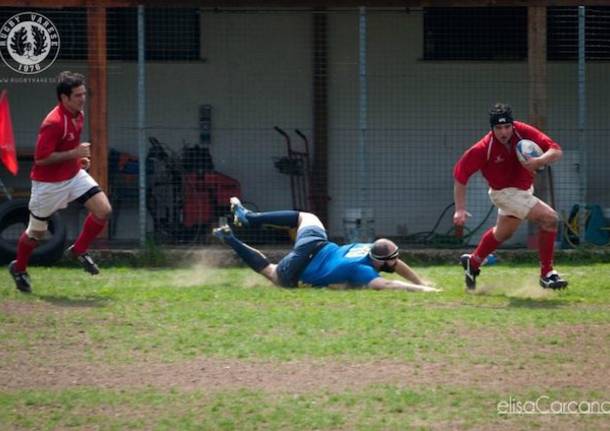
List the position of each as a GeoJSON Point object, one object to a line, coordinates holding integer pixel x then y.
{"type": "Point", "coordinates": [98, 110]}
{"type": "Point", "coordinates": [536, 35]}
{"type": "Point", "coordinates": [536, 55]}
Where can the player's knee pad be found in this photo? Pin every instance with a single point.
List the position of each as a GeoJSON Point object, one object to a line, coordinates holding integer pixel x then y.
{"type": "Point", "coordinates": [36, 225]}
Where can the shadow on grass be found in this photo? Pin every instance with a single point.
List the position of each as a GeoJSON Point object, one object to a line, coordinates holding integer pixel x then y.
{"type": "Point", "coordinates": [66, 301]}
{"type": "Point", "coordinates": [536, 303]}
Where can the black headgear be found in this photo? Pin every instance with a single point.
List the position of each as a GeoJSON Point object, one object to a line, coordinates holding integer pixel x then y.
{"type": "Point", "coordinates": [384, 250]}
{"type": "Point", "coordinates": [501, 113]}
{"type": "Point", "coordinates": [386, 256]}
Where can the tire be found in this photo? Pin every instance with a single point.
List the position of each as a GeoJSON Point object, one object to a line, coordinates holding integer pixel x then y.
{"type": "Point", "coordinates": [14, 217]}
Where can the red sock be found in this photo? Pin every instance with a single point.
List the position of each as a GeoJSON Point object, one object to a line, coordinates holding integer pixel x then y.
{"type": "Point", "coordinates": [487, 244]}
{"type": "Point", "coordinates": [546, 250]}
{"type": "Point", "coordinates": [25, 248]}
{"type": "Point", "coordinates": [91, 229]}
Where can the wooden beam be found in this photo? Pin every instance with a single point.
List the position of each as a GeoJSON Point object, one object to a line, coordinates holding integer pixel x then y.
{"type": "Point", "coordinates": [98, 118]}
{"type": "Point", "coordinates": [64, 3]}
{"type": "Point", "coordinates": [290, 4]}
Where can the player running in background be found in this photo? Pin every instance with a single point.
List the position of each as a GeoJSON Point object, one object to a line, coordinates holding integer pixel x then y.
{"type": "Point", "coordinates": [59, 176]}
{"type": "Point", "coordinates": [315, 260]}
{"type": "Point", "coordinates": [511, 191]}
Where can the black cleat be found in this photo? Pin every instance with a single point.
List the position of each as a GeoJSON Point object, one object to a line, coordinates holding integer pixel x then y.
{"type": "Point", "coordinates": [223, 232]}
{"type": "Point", "coordinates": [240, 213]}
{"type": "Point", "coordinates": [470, 274]}
{"type": "Point", "coordinates": [84, 259]}
{"type": "Point", "coordinates": [22, 279]}
{"type": "Point", "coordinates": [553, 281]}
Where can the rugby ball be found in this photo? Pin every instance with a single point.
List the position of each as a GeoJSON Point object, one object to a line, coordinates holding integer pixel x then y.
{"type": "Point", "coordinates": [526, 149]}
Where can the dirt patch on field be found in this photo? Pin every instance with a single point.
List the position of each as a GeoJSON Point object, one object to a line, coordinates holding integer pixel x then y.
{"type": "Point", "coordinates": [495, 359]}
{"type": "Point", "coordinates": [66, 367]}
{"type": "Point", "coordinates": [296, 377]}
{"type": "Point", "coordinates": [570, 341]}
{"type": "Point", "coordinates": [27, 309]}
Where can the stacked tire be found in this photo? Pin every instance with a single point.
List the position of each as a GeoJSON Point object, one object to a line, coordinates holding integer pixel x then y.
{"type": "Point", "coordinates": [14, 217]}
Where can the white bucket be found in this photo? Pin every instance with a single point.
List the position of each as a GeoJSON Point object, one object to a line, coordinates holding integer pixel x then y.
{"type": "Point", "coordinates": [359, 225]}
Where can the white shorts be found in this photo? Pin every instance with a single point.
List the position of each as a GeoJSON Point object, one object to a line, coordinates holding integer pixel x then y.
{"type": "Point", "coordinates": [515, 202]}
{"type": "Point", "coordinates": [47, 198]}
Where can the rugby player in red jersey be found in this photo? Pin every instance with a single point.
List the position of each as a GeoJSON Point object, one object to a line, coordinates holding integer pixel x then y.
{"type": "Point", "coordinates": [59, 176]}
{"type": "Point", "coordinates": [510, 190]}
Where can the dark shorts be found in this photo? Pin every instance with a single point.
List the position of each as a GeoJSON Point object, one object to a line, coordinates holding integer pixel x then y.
{"type": "Point", "coordinates": [309, 241]}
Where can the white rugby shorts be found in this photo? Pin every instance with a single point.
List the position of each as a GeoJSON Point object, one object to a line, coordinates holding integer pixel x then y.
{"type": "Point", "coordinates": [46, 198]}
{"type": "Point", "coordinates": [512, 201]}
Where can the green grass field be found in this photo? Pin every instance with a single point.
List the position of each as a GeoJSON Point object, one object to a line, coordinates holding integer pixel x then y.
{"type": "Point", "coordinates": [221, 349]}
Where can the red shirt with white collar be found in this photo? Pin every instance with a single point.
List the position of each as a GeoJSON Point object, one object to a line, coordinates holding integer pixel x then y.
{"type": "Point", "coordinates": [60, 131]}
{"type": "Point", "coordinates": [498, 162]}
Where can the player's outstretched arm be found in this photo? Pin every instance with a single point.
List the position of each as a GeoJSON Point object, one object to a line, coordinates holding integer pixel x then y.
{"type": "Point", "coordinates": [406, 272]}
{"type": "Point", "coordinates": [381, 283]}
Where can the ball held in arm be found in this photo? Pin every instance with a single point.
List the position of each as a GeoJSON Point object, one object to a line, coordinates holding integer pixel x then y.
{"type": "Point", "coordinates": [526, 149]}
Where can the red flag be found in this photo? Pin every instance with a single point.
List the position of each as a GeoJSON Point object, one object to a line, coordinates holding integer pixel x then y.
{"type": "Point", "coordinates": [8, 154]}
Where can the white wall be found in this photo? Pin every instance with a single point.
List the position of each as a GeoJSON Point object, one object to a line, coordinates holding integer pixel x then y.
{"type": "Point", "coordinates": [257, 73]}
{"type": "Point", "coordinates": [422, 115]}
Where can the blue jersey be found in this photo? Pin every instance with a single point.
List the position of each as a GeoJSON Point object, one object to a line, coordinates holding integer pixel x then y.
{"type": "Point", "coordinates": [346, 264]}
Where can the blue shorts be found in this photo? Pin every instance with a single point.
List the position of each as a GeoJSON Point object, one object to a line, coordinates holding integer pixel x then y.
{"type": "Point", "coordinates": [309, 241]}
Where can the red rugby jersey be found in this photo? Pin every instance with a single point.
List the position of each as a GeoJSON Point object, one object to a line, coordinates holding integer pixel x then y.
{"type": "Point", "coordinates": [60, 131]}
{"type": "Point", "coordinates": [498, 163]}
